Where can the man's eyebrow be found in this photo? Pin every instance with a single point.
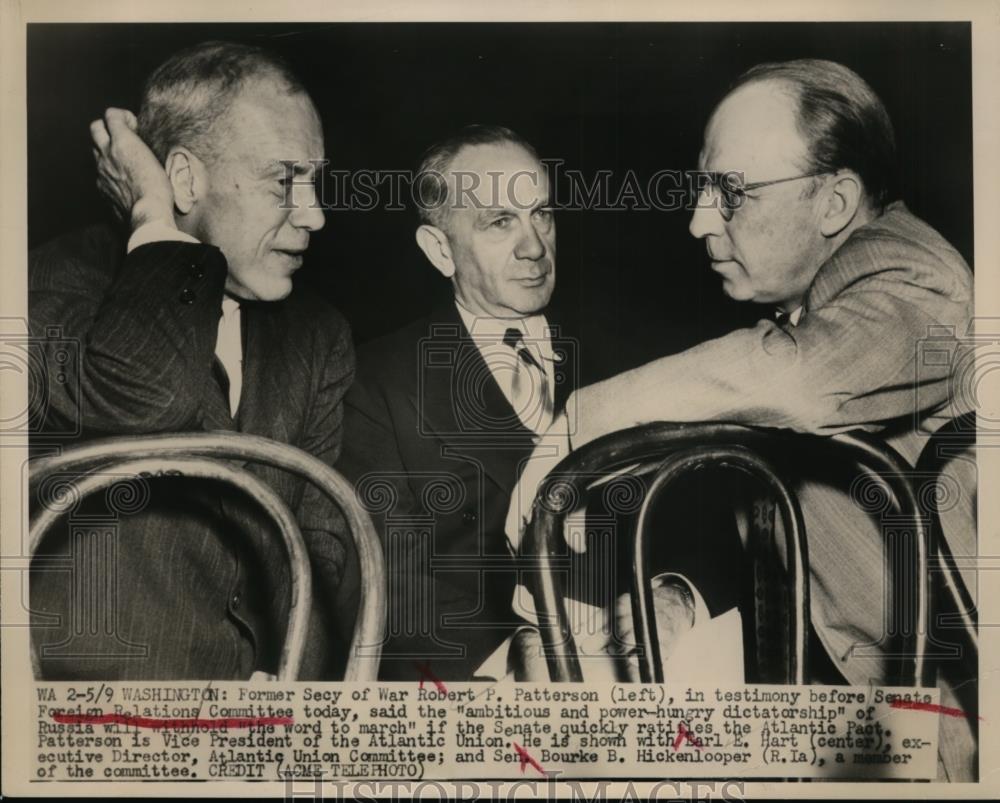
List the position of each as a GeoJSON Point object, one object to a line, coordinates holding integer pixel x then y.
{"type": "Point", "coordinates": [492, 211]}
{"type": "Point", "coordinates": [283, 168]}
{"type": "Point", "coordinates": [487, 212]}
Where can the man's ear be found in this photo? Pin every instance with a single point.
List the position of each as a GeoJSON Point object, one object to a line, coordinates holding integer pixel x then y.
{"type": "Point", "coordinates": [434, 243]}
{"type": "Point", "coordinates": [188, 177]}
{"type": "Point", "coordinates": [844, 197]}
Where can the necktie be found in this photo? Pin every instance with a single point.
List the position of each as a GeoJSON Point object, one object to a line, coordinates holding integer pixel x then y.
{"type": "Point", "coordinates": [530, 393]}
{"type": "Point", "coordinates": [786, 319]}
{"type": "Point", "coordinates": [229, 353]}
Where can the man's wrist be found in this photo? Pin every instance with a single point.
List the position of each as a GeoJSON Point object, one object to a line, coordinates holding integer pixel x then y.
{"type": "Point", "coordinates": [149, 210]}
{"type": "Point", "coordinates": [157, 231]}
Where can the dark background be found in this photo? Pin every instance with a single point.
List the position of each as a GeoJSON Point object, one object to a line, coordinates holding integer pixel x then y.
{"type": "Point", "coordinates": [598, 96]}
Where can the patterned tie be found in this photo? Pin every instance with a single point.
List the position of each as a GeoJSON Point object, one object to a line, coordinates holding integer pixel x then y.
{"type": "Point", "coordinates": [530, 394]}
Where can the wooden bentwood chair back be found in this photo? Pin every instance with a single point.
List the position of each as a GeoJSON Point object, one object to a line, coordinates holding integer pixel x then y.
{"type": "Point", "coordinates": [100, 464]}
{"type": "Point", "coordinates": [671, 451]}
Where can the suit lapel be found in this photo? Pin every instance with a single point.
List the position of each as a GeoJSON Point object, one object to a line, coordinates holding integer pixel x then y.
{"type": "Point", "coordinates": [269, 365]}
{"type": "Point", "coordinates": [215, 405]}
{"type": "Point", "coordinates": [567, 364]}
{"type": "Point", "coordinates": [461, 405]}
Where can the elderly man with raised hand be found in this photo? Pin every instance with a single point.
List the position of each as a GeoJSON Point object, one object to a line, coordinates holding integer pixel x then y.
{"type": "Point", "coordinates": [190, 322]}
{"type": "Point", "coordinates": [800, 213]}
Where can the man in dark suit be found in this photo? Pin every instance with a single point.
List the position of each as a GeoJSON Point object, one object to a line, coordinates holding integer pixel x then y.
{"type": "Point", "coordinates": [800, 213]}
{"type": "Point", "coordinates": [193, 324]}
{"type": "Point", "coordinates": [444, 411]}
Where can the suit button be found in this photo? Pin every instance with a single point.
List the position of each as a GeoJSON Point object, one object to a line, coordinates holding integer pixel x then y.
{"type": "Point", "coordinates": [236, 600]}
{"type": "Point", "coordinates": [469, 516]}
{"type": "Point", "coordinates": [187, 296]}
{"type": "Point", "coordinates": [197, 271]}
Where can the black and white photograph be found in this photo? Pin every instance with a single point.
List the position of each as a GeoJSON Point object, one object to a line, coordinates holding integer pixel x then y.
{"type": "Point", "coordinates": [581, 403]}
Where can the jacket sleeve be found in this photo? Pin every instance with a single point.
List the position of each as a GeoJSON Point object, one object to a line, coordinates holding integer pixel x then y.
{"type": "Point", "coordinates": [856, 362]}
{"type": "Point", "coordinates": [373, 461]}
{"type": "Point", "coordinates": [128, 350]}
{"type": "Point", "coordinates": [333, 361]}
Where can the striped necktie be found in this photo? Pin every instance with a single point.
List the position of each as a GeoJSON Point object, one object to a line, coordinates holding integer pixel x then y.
{"type": "Point", "coordinates": [531, 396]}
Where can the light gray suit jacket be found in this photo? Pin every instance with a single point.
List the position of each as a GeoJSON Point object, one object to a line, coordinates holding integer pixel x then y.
{"type": "Point", "coordinates": [879, 348]}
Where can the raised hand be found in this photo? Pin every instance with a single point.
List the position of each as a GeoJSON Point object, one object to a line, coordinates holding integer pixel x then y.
{"type": "Point", "coordinates": [128, 173]}
{"type": "Point", "coordinates": [674, 608]}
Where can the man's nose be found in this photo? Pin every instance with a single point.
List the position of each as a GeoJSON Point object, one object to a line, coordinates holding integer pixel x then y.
{"type": "Point", "coordinates": [706, 218]}
{"type": "Point", "coordinates": [307, 212]}
{"type": "Point", "coordinates": [531, 245]}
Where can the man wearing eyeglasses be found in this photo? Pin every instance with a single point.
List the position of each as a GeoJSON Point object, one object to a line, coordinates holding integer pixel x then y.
{"type": "Point", "coordinates": [799, 213]}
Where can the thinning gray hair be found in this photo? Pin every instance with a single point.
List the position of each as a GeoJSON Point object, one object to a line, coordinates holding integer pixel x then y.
{"type": "Point", "coordinates": [431, 182]}
{"type": "Point", "coordinates": [189, 94]}
{"type": "Point", "coordinates": [842, 120]}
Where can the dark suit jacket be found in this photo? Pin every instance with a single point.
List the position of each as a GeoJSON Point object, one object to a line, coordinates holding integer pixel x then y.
{"type": "Point", "coordinates": [434, 449]}
{"type": "Point", "coordinates": [189, 596]}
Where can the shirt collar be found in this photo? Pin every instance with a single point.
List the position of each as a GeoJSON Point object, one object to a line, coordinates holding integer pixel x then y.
{"type": "Point", "coordinates": [485, 329]}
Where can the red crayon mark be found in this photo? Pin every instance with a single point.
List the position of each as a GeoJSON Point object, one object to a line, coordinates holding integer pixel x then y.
{"type": "Point", "coordinates": [682, 734]}
{"type": "Point", "coordinates": [426, 674]}
{"type": "Point", "coordinates": [149, 722]}
{"type": "Point", "coordinates": [527, 759]}
{"type": "Point", "coordinates": [915, 705]}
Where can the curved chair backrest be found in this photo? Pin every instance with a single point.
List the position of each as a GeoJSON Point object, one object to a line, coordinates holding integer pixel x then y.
{"type": "Point", "coordinates": [679, 448]}
{"type": "Point", "coordinates": [956, 623]}
{"type": "Point", "coordinates": [99, 464]}
{"type": "Point", "coordinates": [956, 436]}
{"type": "Point", "coordinates": [742, 459]}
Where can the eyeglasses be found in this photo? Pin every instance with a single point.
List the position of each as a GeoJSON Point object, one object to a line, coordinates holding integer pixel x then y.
{"type": "Point", "coordinates": [732, 192]}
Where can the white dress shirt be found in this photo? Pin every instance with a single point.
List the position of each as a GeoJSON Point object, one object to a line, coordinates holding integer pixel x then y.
{"type": "Point", "coordinates": [488, 335]}
{"type": "Point", "coordinates": [229, 349]}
